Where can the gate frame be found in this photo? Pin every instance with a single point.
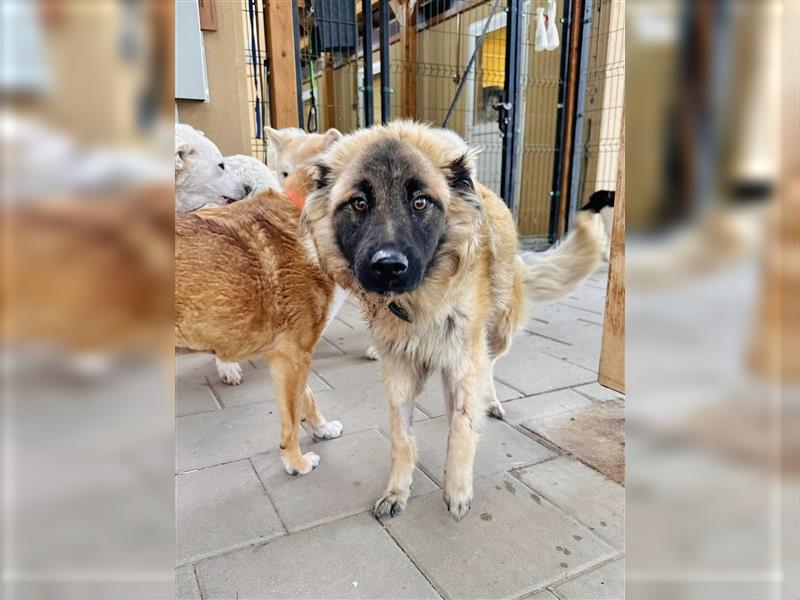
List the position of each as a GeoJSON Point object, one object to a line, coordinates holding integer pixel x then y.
{"type": "Point", "coordinates": [565, 119]}
{"type": "Point", "coordinates": [508, 112]}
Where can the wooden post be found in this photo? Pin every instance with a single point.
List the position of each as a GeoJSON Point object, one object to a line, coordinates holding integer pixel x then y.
{"type": "Point", "coordinates": [612, 350]}
{"type": "Point", "coordinates": [279, 29]}
{"type": "Point", "coordinates": [408, 38]}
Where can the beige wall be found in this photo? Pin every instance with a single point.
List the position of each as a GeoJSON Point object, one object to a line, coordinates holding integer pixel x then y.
{"type": "Point", "coordinates": [225, 117]}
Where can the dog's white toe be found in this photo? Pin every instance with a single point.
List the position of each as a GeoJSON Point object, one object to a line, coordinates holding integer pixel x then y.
{"type": "Point", "coordinates": [311, 461]}
{"type": "Point", "coordinates": [229, 373]}
{"type": "Point", "coordinates": [328, 430]}
{"type": "Point", "coordinates": [372, 353]}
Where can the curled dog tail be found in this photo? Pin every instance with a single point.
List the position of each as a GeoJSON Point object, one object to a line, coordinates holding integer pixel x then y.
{"type": "Point", "coordinates": [555, 273]}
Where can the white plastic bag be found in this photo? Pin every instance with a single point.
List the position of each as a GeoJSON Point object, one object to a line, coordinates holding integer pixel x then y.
{"type": "Point", "coordinates": [552, 31]}
{"type": "Point", "coordinates": [540, 41]}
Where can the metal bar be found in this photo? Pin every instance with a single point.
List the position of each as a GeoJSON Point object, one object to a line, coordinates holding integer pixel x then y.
{"type": "Point", "coordinates": [386, 79]}
{"type": "Point", "coordinates": [575, 39]}
{"type": "Point", "coordinates": [366, 15]}
{"type": "Point", "coordinates": [558, 156]}
{"type": "Point", "coordinates": [509, 111]}
{"type": "Point", "coordinates": [580, 117]}
{"type": "Point", "coordinates": [298, 70]}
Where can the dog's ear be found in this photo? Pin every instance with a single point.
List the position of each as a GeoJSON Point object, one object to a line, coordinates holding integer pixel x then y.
{"type": "Point", "coordinates": [182, 150]}
{"type": "Point", "coordinates": [321, 175]}
{"type": "Point", "coordinates": [332, 136]}
{"type": "Point", "coordinates": [275, 137]}
{"type": "Point", "coordinates": [460, 172]}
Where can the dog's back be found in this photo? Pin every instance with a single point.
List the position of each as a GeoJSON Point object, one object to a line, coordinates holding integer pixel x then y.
{"type": "Point", "coordinates": [243, 278]}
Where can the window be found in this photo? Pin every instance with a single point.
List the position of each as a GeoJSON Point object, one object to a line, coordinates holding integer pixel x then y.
{"type": "Point", "coordinates": [490, 76]}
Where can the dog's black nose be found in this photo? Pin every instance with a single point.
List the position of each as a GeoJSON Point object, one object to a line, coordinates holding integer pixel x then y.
{"type": "Point", "coordinates": [247, 190]}
{"type": "Point", "coordinates": [388, 264]}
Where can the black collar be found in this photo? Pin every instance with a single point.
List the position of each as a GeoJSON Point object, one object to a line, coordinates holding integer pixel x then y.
{"type": "Point", "coordinates": [399, 312]}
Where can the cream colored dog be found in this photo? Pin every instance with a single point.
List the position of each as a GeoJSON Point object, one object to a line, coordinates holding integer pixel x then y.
{"type": "Point", "coordinates": [399, 221]}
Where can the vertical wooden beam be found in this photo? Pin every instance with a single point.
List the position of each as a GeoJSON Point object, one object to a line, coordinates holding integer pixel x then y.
{"type": "Point", "coordinates": [612, 350]}
{"type": "Point", "coordinates": [408, 38]}
{"type": "Point", "coordinates": [208, 15]}
{"type": "Point", "coordinates": [279, 30]}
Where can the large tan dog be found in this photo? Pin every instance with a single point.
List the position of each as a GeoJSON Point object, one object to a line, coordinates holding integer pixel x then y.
{"type": "Point", "coordinates": [245, 286]}
{"type": "Point", "coordinates": [399, 221]}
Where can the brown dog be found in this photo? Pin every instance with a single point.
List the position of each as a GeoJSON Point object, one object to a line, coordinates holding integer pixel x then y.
{"type": "Point", "coordinates": [245, 286]}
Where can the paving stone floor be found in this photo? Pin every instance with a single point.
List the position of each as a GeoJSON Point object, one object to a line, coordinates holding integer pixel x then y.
{"type": "Point", "coordinates": [547, 518]}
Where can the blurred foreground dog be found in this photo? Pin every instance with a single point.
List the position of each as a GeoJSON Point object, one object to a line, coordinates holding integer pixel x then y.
{"type": "Point", "coordinates": [90, 277]}
{"type": "Point", "coordinates": [245, 286]}
{"type": "Point", "coordinates": [399, 221]}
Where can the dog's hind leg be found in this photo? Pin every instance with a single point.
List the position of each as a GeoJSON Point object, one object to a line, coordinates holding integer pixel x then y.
{"type": "Point", "coordinates": [315, 423]}
{"type": "Point", "coordinates": [290, 367]}
{"type": "Point", "coordinates": [502, 327]}
{"type": "Point", "coordinates": [403, 383]}
{"type": "Point", "coordinates": [494, 408]}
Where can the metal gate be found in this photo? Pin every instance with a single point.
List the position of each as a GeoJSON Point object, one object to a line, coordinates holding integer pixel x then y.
{"type": "Point", "coordinates": [545, 122]}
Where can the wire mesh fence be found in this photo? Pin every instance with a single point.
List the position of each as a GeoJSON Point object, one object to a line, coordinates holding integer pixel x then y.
{"type": "Point", "coordinates": [603, 78]}
{"type": "Point", "coordinates": [447, 61]}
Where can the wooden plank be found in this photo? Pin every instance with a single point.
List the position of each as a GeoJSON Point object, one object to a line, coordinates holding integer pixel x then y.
{"type": "Point", "coordinates": [408, 38]}
{"type": "Point", "coordinates": [279, 30]}
{"type": "Point", "coordinates": [612, 350]}
{"type": "Point", "coordinates": [208, 15]}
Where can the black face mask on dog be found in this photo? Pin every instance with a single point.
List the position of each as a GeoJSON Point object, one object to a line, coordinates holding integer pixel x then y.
{"type": "Point", "coordinates": [392, 224]}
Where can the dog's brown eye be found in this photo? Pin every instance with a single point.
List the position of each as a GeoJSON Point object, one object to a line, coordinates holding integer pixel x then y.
{"type": "Point", "coordinates": [420, 203]}
{"type": "Point", "coordinates": [359, 204]}
{"type": "Point", "coordinates": [285, 174]}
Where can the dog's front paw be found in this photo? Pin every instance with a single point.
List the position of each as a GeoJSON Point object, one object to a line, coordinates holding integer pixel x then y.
{"type": "Point", "coordinates": [458, 502]}
{"type": "Point", "coordinates": [391, 504]}
{"type": "Point", "coordinates": [496, 410]}
{"type": "Point", "coordinates": [372, 353]}
{"type": "Point", "coordinates": [328, 430]}
{"type": "Point", "coordinates": [229, 373]}
{"type": "Point", "coordinates": [305, 464]}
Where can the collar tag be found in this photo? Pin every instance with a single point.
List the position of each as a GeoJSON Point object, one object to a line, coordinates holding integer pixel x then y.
{"type": "Point", "coordinates": [399, 312]}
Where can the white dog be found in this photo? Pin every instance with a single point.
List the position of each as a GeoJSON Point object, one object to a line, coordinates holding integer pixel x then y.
{"type": "Point", "coordinates": [200, 175]}
{"type": "Point", "coordinates": [252, 173]}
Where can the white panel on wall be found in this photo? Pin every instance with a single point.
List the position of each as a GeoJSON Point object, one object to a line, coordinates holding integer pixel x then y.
{"type": "Point", "coordinates": [191, 79]}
